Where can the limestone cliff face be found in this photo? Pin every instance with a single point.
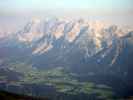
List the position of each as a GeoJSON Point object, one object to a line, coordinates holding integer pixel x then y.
{"type": "Point", "coordinates": [56, 38]}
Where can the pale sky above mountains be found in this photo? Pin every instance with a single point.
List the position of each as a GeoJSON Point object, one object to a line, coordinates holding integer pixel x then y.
{"type": "Point", "coordinates": [16, 13]}
{"type": "Point", "coordinates": [88, 6]}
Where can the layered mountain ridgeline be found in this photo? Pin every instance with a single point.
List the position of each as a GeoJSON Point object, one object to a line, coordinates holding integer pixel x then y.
{"type": "Point", "coordinates": [79, 44]}
{"type": "Point", "coordinates": [71, 56]}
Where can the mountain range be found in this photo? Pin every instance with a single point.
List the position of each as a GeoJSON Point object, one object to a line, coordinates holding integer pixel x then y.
{"type": "Point", "coordinates": [81, 45]}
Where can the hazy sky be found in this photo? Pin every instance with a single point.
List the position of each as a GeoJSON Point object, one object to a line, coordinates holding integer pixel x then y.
{"type": "Point", "coordinates": [94, 6]}
{"type": "Point", "coordinates": [15, 11]}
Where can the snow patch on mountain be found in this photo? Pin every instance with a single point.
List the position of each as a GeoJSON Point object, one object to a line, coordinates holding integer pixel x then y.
{"type": "Point", "coordinates": [91, 37]}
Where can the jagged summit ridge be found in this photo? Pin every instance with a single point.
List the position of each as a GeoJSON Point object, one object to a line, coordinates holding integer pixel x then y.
{"type": "Point", "coordinates": [49, 30]}
{"type": "Point", "coordinates": [67, 36]}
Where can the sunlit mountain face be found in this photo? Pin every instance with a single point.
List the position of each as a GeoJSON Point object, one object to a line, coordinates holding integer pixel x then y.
{"type": "Point", "coordinates": [58, 50]}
